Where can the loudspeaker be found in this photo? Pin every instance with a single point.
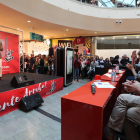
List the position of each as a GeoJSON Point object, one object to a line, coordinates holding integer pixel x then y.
{"type": "Point", "coordinates": [51, 51]}
{"type": "Point", "coordinates": [22, 80]}
{"type": "Point", "coordinates": [30, 102]}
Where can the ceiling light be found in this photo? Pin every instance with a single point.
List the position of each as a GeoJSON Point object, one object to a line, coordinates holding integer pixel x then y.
{"type": "Point", "coordinates": [95, 32]}
{"type": "Point", "coordinates": [113, 37]}
{"type": "Point", "coordinates": [137, 37]}
{"type": "Point", "coordinates": [64, 34]}
{"type": "Point", "coordinates": [125, 37]}
{"type": "Point", "coordinates": [102, 38]}
{"type": "Point", "coordinates": [28, 21]}
{"type": "Point", "coordinates": [67, 29]}
{"type": "Point", "coordinates": [18, 28]}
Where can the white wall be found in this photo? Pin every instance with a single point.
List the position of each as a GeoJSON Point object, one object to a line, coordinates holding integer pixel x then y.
{"type": "Point", "coordinates": [112, 53]}
{"type": "Point", "coordinates": [37, 48]}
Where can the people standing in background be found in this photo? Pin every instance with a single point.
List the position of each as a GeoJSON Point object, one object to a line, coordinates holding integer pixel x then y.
{"type": "Point", "coordinates": [42, 65]}
{"type": "Point", "coordinates": [82, 67]}
{"type": "Point", "coordinates": [76, 69]}
{"type": "Point", "coordinates": [52, 68]}
{"type": "Point", "coordinates": [32, 63]}
{"type": "Point", "coordinates": [85, 52]}
{"type": "Point", "coordinates": [37, 63]}
{"type": "Point", "coordinates": [79, 59]}
{"type": "Point", "coordinates": [1, 49]}
{"type": "Point", "coordinates": [87, 67]}
{"type": "Point", "coordinates": [91, 72]}
{"type": "Point", "coordinates": [96, 57]}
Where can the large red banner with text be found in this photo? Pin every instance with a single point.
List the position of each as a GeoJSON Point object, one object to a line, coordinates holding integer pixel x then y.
{"type": "Point", "coordinates": [9, 100]}
{"type": "Point", "coordinates": [10, 55]}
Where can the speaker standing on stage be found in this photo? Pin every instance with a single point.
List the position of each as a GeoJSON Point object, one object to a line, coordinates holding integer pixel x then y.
{"type": "Point", "coordinates": [1, 49]}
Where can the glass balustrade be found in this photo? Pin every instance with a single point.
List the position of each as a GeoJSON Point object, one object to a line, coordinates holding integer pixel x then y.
{"type": "Point", "coordinates": [113, 3]}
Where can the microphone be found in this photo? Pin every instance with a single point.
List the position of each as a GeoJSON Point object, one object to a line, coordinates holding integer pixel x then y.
{"type": "Point", "coordinates": [93, 88]}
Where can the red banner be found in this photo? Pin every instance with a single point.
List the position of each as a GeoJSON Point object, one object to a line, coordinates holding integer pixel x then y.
{"type": "Point", "coordinates": [10, 55]}
{"type": "Point", "coordinates": [80, 40]}
{"type": "Point", "coordinates": [9, 100]}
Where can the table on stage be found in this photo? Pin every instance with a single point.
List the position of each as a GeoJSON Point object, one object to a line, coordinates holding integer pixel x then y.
{"type": "Point", "coordinates": [84, 114]}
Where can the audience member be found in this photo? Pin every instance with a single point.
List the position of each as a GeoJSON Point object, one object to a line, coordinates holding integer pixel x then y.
{"type": "Point", "coordinates": [91, 72]}
{"type": "Point", "coordinates": [32, 63]}
{"type": "Point", "coordinates": [125, 114]}
{"type": "Point", "coordinates": [115, 61]}
{"type": "Point", "coordinates": [107, 60]}
{"type": "Point", "coordinates": [76, 69]}
{"type": "Point", "coordinates": [124, 60]}
{"type": "Point", "coordinates": [101, 61]}
{"type": "Point", "coordinates": [37, 63]}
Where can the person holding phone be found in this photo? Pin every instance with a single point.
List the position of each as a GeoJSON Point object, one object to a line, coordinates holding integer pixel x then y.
{"type": "Point", "coordinates": [125, 114]}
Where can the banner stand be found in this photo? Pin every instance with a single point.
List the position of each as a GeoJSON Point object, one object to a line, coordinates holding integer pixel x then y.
{"type": "Point", "coordinates": [21, 39]}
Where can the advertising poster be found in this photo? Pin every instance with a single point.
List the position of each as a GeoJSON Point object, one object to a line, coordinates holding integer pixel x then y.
{"type": "Point", "coordinates": [69, 61]}
{"type": "Point", "coordinates": [10, 54]}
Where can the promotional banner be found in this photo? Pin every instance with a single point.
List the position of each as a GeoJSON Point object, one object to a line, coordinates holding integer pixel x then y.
{"type": "Point", "coordinates": [10, 55]}
{"type": "Point", "coordinates": [79, 40]}
{"type": "Point", "coordinates": [9, 100]}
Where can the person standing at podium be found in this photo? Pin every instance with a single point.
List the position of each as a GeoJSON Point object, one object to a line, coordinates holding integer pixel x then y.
{"type": "Point", "coordinates": [1, 49]}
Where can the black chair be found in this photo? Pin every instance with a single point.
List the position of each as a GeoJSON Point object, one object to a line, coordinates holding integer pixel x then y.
{"type": "Point", "coordinates": [129, 75]}
{"type": "Point", "coordinates": [100, 70]}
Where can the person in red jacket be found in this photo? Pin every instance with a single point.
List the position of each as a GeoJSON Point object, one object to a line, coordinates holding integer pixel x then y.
{"type": "Point", "coordinates": [77, 64]}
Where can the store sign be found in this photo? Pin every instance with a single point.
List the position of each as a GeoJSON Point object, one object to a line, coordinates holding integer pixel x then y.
{"type": "Point", "coordinates": [64, 43]}
{"type": "Point", "coordinates": [80, 40]}
{"type": "Point", "coordinates": [36, 37]}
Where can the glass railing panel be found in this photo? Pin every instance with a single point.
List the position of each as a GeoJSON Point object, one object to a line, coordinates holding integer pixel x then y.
{"type": "Point", "coordinates": [113, 3]}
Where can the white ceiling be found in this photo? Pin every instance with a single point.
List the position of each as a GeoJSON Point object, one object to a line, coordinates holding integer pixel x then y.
{"type": "Point", "coordinates": [14, 19]}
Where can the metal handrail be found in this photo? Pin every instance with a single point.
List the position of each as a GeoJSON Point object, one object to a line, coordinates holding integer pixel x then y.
{"type": "Point", "coordinates": [116, 4]}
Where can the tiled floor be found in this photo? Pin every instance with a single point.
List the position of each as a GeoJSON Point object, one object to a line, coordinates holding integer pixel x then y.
{"type": "Point", "coordinates": [18, 125]}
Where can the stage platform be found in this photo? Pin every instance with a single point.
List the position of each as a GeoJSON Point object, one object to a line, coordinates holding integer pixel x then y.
{"type": "Point", "coordinates": [45, 85]}
{"type": "Point", "coordinates": [5, 84]}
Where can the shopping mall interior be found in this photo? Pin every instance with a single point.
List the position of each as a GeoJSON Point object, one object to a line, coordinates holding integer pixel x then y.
{"type": "Point", "coordinates": [64, 67]}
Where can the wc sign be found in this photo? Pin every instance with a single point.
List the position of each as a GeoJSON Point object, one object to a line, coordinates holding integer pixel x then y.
{"type": "Point", "coordinates": [65, 43]}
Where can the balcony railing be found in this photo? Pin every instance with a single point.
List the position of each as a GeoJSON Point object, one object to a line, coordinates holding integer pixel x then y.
{"type": "Point", "coordinates": [113, 3]}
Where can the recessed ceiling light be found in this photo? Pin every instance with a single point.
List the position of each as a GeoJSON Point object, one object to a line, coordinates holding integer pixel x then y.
{"type": "Point", "coordinates": [28, 21]}
{"type": "Point", "coordinates": [95, 32]}
{"type": "Point", "coordinates": [64, 34]}
{"type": "Point", "coordinates": [125, 37]}
{"type": "Point", "coordinates": [18, 28]}
{"type": "Point", "coordinates": [67, 29]}
{"type": "Point", "coordinates": [102, 38]}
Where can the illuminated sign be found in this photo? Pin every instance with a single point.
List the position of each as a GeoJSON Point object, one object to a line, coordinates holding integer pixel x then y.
{"type": "Point", "coordinates": [36, 37]}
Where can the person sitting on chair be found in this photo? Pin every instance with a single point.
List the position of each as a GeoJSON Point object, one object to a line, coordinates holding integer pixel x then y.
{"type": "Point", "coordinates": [91, 72]}
{"type": "Point", "coordinates": [124, 61]}
{"type": "Point", "coordinates": [125, 114]}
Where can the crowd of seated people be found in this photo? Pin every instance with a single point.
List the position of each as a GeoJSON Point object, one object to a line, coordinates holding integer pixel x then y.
{"type": "Point", "coordinates": [125, 115]}
{"type": "Point", "coordinates": [40, 64]}
{"type": "Point", "coordinates": [84, 66]}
